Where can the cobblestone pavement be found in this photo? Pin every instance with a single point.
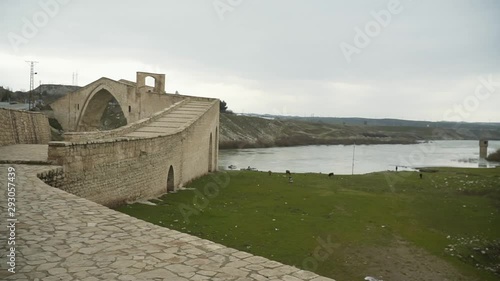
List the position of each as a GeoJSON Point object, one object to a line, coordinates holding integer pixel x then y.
{"type": "Point", "coordinates": [60, 236]}
{"type": "Point", "coordinates": [24, 153]}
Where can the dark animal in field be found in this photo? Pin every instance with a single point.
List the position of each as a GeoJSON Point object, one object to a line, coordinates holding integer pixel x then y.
{"type": "Point", "coordinates": [331, 175]}
{"type": "Point", "coordinates": [288, 172]}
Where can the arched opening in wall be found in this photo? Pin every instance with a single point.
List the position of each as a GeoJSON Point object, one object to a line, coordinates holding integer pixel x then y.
{"type": "Point", "coordinates": [170, 180]}
{"type": "Point", "coordinates": [210, 154]}
{"type": "Point", "coordinates": [216, 148]}
{"type": "Point", "coordinates": [150, 81]}
{"type": "Point", "coordinates": [103, 112]}
{"type": "Point", "coordinates": [113, 116]}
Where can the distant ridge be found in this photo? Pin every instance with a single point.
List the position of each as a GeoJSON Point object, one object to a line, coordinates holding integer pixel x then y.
{"type": "Point", "coordinates": [56, 89]}
{"type": "Point", "coordinates": [383, 122]}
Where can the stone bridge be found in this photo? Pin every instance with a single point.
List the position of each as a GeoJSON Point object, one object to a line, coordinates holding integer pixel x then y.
{"type": "Point", "coordinates": [168, 141]}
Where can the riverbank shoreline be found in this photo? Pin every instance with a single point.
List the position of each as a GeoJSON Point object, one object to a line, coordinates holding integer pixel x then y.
{"type": "Point", "coordinates": [284, 143]}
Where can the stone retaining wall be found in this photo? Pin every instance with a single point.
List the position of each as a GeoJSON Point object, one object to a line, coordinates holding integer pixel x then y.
{"type": "Point", "coordinates": [23, 127]}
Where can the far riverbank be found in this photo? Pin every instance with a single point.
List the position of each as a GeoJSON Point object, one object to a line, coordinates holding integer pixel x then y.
{"type": "Point", "coordinates": [254, 132]}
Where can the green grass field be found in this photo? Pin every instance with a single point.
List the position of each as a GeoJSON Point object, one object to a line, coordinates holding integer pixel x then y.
{"type": "Point", "coordinates": [390, 225]}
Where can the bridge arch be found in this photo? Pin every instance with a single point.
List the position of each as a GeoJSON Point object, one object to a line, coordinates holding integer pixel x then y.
{"type": "Point", "coordinates": [170, 180]}
{"type": "Point", "coordinates": [94, 107]}
{"type": "Point", "coordinates": [216, 143]}
{"type": "Point", "coordinates": [210, 154]}
{"type": "Point", "coordinates": [150, 81]}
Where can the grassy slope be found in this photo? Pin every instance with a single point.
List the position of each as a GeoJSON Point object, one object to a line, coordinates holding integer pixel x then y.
{"type": "Point", "coordinates": [267, 216]}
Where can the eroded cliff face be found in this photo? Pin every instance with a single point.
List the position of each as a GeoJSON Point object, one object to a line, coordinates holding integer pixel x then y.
{"type": "Point", "coordinates": [245, 131]}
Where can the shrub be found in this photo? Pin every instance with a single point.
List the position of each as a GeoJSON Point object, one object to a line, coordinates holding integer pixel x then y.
{"type": "Point", "coordinates": [495, 156]}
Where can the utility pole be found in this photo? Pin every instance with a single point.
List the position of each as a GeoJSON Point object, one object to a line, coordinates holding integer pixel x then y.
{"type": "Point", "coordinates": [353, 151]}
{"type": "Point", "coordinates": [75, 79]}
{"type": "Point", "coordinates": [32, 81]}
{"type": "Point", "coordinates": [40, 92]}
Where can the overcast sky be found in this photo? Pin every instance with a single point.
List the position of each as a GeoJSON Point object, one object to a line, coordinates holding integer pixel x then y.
{"type": "Point", "coordinates": [421, 60]}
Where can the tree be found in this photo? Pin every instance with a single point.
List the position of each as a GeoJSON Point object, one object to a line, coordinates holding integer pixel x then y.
{"type": "Point", "coordinates": [223, 106]}
{"type": "Point", "coordinates": [5, 95]}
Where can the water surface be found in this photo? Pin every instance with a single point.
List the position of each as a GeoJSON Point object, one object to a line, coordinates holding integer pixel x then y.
{"type": "Point", "coordinates": [367, 158]}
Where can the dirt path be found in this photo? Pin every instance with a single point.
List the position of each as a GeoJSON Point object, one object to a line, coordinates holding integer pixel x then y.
{"type": "Point", "coordinates": [402, 261]}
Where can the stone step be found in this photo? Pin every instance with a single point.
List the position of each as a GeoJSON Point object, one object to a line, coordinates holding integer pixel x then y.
{"type": "Point", "coordinates": [190, 109]}
{"type": "Point", "coordinates": [183, 116]}
{"type": "Point", "coordinates": [165, 125]}
{"type": "Point", "coordinates": [157, 130]}
{"type": "Point", "coordinates": [171, 122]}
{"type": "Point", "coordinates": [172, 119]}
{"type": "Point", "coordinates": [143, 135]}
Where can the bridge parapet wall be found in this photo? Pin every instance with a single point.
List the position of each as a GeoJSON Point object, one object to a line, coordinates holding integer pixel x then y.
{"type": "Point", "coordinates": [114, 172]}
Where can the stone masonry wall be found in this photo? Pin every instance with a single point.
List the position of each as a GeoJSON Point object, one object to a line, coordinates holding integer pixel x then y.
{"type": "Point", "coordinates": [23, 127]}
{"type": "Point", "coordinates": [112, 172]}
{"type": "Point", "coordinates": [196, 145]}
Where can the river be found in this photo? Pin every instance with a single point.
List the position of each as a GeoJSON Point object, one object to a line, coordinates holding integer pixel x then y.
{"type": "Point", "coordinates": [367, 158]}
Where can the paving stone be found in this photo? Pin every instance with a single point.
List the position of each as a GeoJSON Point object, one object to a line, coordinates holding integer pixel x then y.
{"type": "Point", "coordinates": [46, 266]}
{"type": "Point", "coordinates": [57, 271]}
{"type": "Point", "coordinates": [180, 268]}
{"type": "Point", "coordinates": [290, 278]}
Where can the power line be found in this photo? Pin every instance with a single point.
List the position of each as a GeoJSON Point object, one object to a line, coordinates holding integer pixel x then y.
{"type": "Point", "coordinates": [32, 82]}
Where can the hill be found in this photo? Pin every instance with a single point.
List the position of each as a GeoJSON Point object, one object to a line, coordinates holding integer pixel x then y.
{"type": "Point", "coordinates": [51, 92]}
{"type": "Point", "coordinates": [239, 131]}
{"type": "Point", "coordinates": [45, 92]}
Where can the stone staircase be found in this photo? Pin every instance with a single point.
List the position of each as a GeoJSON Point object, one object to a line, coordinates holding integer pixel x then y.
{"type": "Point", "coordinates": [173, 121]}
